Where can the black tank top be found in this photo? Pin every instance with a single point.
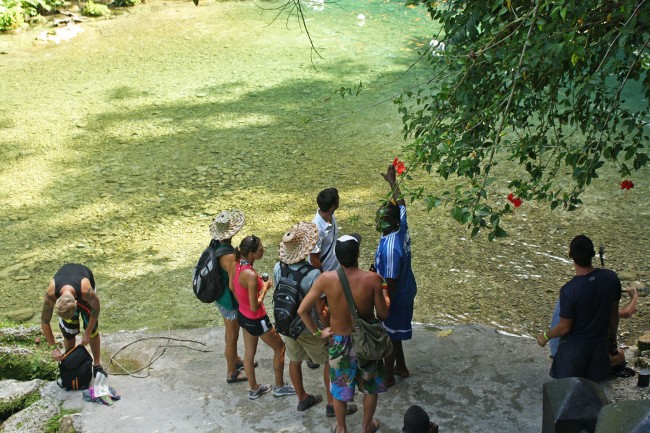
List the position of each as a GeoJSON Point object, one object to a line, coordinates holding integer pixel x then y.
{"type": "Point", "coordinates": [71, 274]}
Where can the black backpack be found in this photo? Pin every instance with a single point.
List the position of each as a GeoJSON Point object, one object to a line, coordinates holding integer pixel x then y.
{"type": "Point", "coordinates": [287, 298]}
{"type": "Point", "coordinates": [76, 369]}
{"type": "Point", "coordinates": [206, 281]}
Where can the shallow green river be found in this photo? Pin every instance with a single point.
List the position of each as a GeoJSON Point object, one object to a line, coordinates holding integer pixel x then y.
{"type": "Point", "coordinates": [118, 146]}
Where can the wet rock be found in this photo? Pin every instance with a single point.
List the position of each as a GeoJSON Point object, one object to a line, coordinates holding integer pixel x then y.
{"type": "Point", "coordinates": [29, 255]}
{"type": "Point", "coordinates": [22, 315]}
{"type": "Point", "coordinates": [6, 272]}
{"type": "Point", "coordinates": [627, 275]}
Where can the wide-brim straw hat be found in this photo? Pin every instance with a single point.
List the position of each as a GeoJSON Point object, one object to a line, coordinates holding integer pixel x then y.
{"type": "Point", "coordinates": [298, 242]}
{"type": "Point", "coordinates": [227, 224]}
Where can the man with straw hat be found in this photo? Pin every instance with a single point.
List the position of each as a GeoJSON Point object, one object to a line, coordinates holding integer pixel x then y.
{"type": "Point", "coordinates": [226, 225]}
{"type": "Point", "coordinates": [295, 246]}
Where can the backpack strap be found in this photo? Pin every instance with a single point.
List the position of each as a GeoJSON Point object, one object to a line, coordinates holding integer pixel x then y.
{"type": "Point", "coordinates": [347, 292]}
{"type": "Point", "coordinates": [221, 249]}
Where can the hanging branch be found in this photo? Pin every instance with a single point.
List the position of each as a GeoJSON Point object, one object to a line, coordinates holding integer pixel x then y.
{"type": "Point", "coordinates": [497, 135]}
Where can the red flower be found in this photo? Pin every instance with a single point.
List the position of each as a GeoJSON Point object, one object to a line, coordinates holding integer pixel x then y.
{"type": "Point", "coordinates": [514, 200]}
{"type": "Point", "coordinates": [399, 166]}
{"type": "Point", "coordinates": [627, 184]}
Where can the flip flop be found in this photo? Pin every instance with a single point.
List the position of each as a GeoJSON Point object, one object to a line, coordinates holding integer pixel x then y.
{"type": "Point", "coordinates": [374, 425]}
{"type": "Point", "coordinates": [329, 410]}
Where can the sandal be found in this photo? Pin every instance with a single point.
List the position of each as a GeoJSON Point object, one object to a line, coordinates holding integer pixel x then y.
{"type": "Point", "coordinates": [374, 425]}
{"type": "Point", "coordinates": [240, 376]}
{"type": "Point", "coordinates": [329, 410]}
{"type": "Point", "coordinates": [402, 373]}
{"type": "Point", "coordinates": [240, 366]}
{"type": "Point", "coordinates": [625, 372]}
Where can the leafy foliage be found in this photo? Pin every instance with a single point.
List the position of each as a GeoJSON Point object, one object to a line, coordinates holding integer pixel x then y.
{"type": "Point", "coordinates": [538, 83]}
{"type": "Point", "coordinates": [94, 10]}
{"type": "Point", "coordinates": [126, 3]}
{"type": "Point", "coordinates": [13, 13]}
{"type": "Point", "coordinates": [12, 16]}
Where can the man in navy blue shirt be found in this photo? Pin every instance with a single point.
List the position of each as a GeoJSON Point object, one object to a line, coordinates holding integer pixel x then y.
{"type": "Point", "coordinates": [588, 318]}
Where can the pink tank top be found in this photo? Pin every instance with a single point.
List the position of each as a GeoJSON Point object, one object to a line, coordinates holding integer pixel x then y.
{"type": "Point", "coordinates": [242, 294]}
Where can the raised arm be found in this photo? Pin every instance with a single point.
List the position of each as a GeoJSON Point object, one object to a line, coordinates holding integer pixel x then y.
{"type": "Point", "coordinates": [391, 177]}
{"type": "Point", "coordinates": [630, 308]}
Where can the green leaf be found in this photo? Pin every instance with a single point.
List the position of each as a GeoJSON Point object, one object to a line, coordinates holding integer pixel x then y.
{"type": "Point", "coordinates": [574, 59]}
{"type": "Point", "coordinates": [457, 213]}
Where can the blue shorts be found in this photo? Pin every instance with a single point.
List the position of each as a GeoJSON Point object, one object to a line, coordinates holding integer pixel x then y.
{"type": "Point", "coordinates": [398, 323]}
{"type": "Point", "coordinates": [348, 371]}
{"type": "Point", "coordinates": [589, 360]}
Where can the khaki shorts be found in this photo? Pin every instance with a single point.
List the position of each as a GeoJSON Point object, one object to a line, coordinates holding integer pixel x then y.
{"type": "Point", "coordinates": [306, 347]}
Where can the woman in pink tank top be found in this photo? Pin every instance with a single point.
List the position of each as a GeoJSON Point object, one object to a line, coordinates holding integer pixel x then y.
{"type": "Point", "coordinates": [250, 290]}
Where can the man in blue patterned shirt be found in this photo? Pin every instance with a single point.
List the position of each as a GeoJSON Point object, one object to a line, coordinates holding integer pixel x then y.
{"type": "Point", "coordinates": [393, 263]}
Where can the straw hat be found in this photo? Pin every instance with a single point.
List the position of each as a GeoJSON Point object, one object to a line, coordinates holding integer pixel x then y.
{"type": "Point", "coordinates": [298, 242]}
{"type": "Point", "coordinates": [227, 224]}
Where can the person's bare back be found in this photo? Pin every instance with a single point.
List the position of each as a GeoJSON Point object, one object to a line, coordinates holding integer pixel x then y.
{"type": "Point", "coordinates": [366, 291]}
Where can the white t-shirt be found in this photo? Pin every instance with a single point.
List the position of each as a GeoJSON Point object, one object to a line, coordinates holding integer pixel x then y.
{"type": "Point", "coordinates": [327, 236]}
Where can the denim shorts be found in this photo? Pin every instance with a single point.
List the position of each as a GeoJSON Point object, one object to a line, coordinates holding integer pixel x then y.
{"type": "Point", "coordinates": [226, 313]}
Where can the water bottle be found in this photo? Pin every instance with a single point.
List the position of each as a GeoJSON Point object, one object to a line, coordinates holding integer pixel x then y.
{"type": "Point", "coordinates": [265, 277]}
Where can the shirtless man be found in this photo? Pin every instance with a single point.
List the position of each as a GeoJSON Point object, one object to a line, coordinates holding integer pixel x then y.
{"type": "Point", "coordinates": [346, 370]}
{"type": "Point", "coordinates": [72, 293]}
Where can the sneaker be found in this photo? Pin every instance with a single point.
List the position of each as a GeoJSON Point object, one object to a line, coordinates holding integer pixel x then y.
{"type": "Point", "coordinates": [311, 364]}
{"type": "Point", "coordinates": [309, 402]}
{"type": "Point", "coordinates": [254, 394]}
{"type": "Point", "coordinates": [329, 410]}
{"type": "Point", "coordinates": [99, 369]}
{"type": "Point", "coordinates": [282, 391]}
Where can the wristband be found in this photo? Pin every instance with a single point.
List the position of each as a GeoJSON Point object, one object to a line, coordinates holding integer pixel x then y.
{"type": "Point", "coordinates": [317, 333]}
{"type": "Point", "coordinates": [546, 336]}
